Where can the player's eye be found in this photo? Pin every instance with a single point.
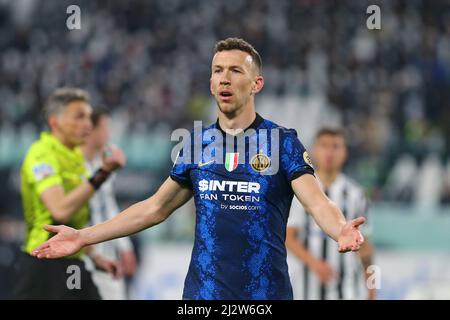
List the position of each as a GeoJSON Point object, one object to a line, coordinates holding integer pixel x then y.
{"type": "Point", "coordinates": [217, 71]}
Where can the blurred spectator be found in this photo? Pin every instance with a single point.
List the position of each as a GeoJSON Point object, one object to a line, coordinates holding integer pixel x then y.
{"type": "Point", "coordinates": [152, 58]}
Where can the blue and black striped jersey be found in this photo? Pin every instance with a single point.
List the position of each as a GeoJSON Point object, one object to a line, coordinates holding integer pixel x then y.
{"type": "Point", "coordinates": [242, 205]}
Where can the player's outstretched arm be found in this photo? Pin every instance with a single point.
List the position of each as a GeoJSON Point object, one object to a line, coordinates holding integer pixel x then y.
{"type": "Point", "coordinates": [152, 211]}
{"type": "Point", "coordinates": [327, 214]}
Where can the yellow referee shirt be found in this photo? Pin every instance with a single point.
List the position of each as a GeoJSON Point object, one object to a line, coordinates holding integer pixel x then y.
{"type": "Point", "coordinates": [49, 163]}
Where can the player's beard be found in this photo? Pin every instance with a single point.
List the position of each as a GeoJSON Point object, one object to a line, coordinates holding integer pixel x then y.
{"type": "Point", "coordinates": [229, 109]}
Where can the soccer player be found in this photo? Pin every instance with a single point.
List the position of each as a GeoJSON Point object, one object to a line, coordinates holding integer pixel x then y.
{"type": "Point", "coordinates": [241, 209]}
{"type": "Point", "coordinates": [103, 206]}
{"type": "Point", "coordinates": [326, 274]}
{"type": "Point", "coordinates": [55, 188]}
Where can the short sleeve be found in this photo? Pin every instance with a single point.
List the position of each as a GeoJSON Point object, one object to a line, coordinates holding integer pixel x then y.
{"type": "Point", "coordinates": [295, 160]}
{"type": "Point", "coordinates": [43, 171]}
{"type": "Point", "coordinates": [181, 171]}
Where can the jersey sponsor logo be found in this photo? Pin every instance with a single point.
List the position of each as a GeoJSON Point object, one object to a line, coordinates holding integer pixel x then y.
{"type": "Point", "coordinates": [42, 170]}
{"type": "Point", "coordinates": [231, 161]}
{"type": "Point", "coordinates": [307, 158]}
{"type": "Point", "coordinates": [260, 162]}
{"type": "Point", "coordinates": [229, 186]}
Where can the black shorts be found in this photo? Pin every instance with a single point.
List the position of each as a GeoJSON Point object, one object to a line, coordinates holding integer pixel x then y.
{"type": "Point", "coordinates": [59, 279]}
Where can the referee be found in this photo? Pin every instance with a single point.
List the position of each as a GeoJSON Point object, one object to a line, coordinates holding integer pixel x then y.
{"type": "Point", "coordinates": [55, 189]}
{"type": "Point", "coordinates": [325, 273]}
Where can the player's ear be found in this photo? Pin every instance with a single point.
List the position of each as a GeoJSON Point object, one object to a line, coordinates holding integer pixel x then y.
{"type": "Point", "coordinates": [52, 121]}
{"type": "Point", "coordinates": [258, 84]}
{"type": "Point", "coordinates": [345, 156]}
{"type": "Point", "coordinates": [211, 86]}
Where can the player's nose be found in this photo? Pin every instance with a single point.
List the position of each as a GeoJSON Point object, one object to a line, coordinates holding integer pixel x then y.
{"type": "Point", "coordinates": [225, 82]}
{"type": "Point", "coordinates": [225, 78]}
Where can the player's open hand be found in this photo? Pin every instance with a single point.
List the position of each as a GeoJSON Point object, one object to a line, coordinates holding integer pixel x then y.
{"type": "Point", "coordinates": [351, 238]}
{"type": "Point", "coordinates": [113, 158]}
{"type": "Point", "coordinates": [65, 242]}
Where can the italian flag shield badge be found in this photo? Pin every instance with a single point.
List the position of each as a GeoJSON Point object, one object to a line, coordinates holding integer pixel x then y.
{"type": "Point", "coordinates": [231, 161]}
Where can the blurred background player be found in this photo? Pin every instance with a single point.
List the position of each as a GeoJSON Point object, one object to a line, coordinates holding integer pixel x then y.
{"type": "Point", "coordinates": [324, 273]}
{"type": "Point", "coordinates": [55, 189]}
{"type": "Point", "coordinates": [103, 206]}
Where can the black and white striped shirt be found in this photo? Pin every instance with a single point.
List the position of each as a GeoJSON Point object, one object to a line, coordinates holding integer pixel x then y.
{"type": "Point", "coordinates": [349, 282]}
{"type": "Point", "coordinates": [103, 206]}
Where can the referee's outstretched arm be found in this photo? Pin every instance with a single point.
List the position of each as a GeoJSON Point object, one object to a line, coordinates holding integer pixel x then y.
{"type": "Point", "coordinates": [327, 215]}
{"type": "Point", "coordinates": [152, 211]}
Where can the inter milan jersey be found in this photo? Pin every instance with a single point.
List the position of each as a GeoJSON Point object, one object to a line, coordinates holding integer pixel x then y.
{"type": "Point", "coordinates": [242, 206]}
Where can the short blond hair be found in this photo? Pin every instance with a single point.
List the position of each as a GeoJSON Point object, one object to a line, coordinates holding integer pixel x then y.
{"type": "Point", "coordinates": [61, 97]}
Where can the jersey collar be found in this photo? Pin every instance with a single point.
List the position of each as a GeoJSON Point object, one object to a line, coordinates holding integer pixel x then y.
{"type": "Point", "coordinates": [254, 125]}
{"type": "Point", "coordinates": [51, 140]}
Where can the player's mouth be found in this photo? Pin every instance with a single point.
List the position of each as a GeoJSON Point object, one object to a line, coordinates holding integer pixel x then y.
{"type": "Point", "coordinates": [225, 95]}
